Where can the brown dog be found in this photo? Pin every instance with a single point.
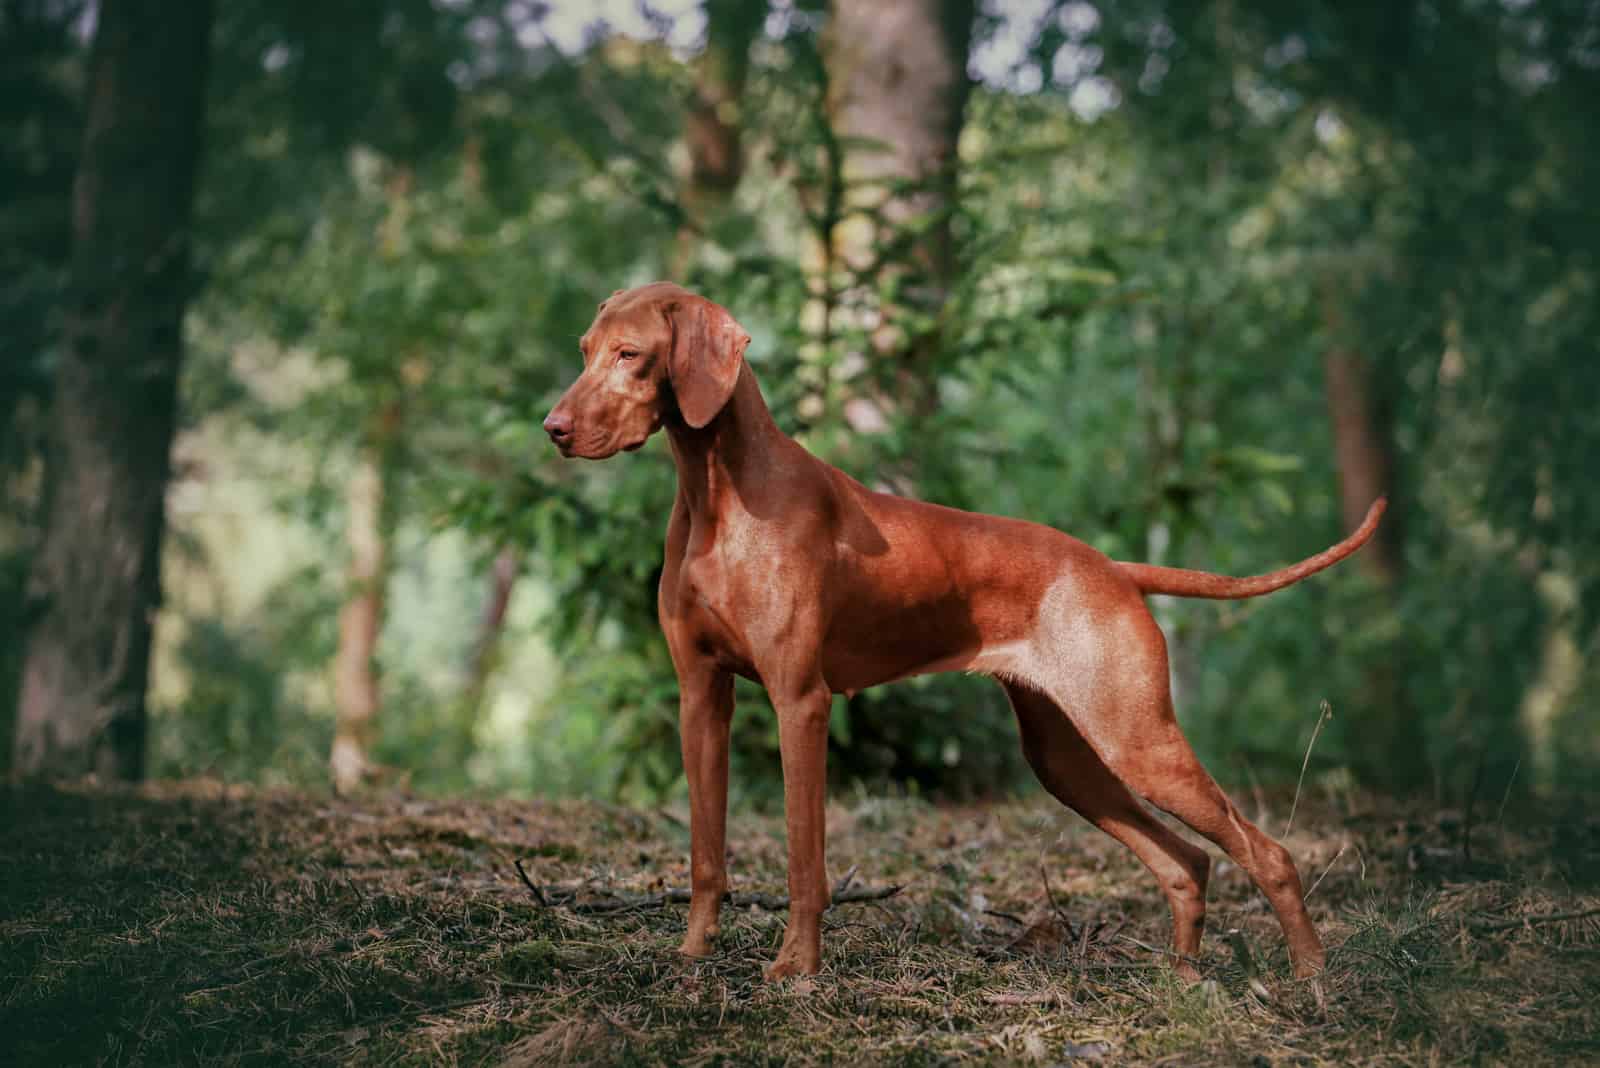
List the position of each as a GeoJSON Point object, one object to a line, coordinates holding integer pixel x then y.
{"type": "Point", "coordinates": [787, 571]}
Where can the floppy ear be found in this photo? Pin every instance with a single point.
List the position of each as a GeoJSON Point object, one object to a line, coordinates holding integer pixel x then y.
{"type": "Point", "coordinates": [707, 351]}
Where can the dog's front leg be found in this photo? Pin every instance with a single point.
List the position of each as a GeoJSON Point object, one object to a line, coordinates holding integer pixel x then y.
{"type": "Point", "coordinates": [705, 709]}
{"type": "Point", "coordinates": [803, 743]}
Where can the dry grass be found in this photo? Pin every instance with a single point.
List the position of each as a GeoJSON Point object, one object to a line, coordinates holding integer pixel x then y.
{"type": "Point", "coordinates": [188, 923]}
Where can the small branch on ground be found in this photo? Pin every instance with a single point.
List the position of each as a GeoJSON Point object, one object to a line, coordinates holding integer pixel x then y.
{"type": "Point", "coordinates": [567, 897]}
{"type": "Point", "coordinates": [533, 888]}
{"type": "Point", "coordinates": [1086, 934]}
{"type": "Point", "coordinates": [844, 883]}
{"type": "Point", "coordinates": [1007, 997]}
{"type": "Point", "coordinates": [1482, 927]}
{"type": "Point", "coordinates": [1171, 955]}
{"type": "Point", "coordinates": [1146, 946]}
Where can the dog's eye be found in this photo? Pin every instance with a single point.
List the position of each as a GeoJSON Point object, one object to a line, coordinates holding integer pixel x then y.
{"type": "Point", "coordinates": [627, 354]}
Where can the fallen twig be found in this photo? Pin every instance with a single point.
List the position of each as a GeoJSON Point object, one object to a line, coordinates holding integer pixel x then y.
{"type": "Point", "coordinates": [1085, 934]}
{"type": "Point", "coordinates": [1171, 955]}
{"type": "Point", "coordinates": [1146, 946]}
{"type": "Point", "coordinates": [567, 897]}
{"type": "Point", "coordinates": [1006, 997]}
{"type": "Point", "coordinates": [1529, 921]}
{"type": "Point", "coordinates": [1008, 917]}
{"type": "Point", "coordinates": [538, 894]}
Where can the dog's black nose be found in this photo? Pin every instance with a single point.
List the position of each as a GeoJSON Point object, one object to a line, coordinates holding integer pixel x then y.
{"type": "Point", "coordinates": [559, 426]}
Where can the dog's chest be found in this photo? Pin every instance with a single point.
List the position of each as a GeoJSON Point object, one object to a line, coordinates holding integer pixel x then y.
{"type": "Point", "coordinates": [711, 580]}
{"type": "Point", "coordinates": [721, 580]}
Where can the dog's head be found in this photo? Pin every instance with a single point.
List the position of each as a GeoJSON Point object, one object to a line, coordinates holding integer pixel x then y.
{"type": "Point", "coordinates": [654, 354]}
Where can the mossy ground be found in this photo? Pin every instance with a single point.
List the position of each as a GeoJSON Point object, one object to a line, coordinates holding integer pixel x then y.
{"type": "Point", "coordinates": [192, 923]}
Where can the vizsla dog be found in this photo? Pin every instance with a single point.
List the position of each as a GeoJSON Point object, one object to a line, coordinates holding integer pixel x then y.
{"type": "Point", "coordinates": [789, 572]}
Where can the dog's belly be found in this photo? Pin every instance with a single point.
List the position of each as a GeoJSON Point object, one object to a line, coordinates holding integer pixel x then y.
{"type": "Point", "coordinates": [871, 645]}
{"type": "Point", "coordinates": [849, 671]}
{"type": "Point", "coordinates": [949, 591]}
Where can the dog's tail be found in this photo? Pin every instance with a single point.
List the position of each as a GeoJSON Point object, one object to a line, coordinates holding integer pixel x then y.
{"type": "Point", "coordinates": [1179, 582]}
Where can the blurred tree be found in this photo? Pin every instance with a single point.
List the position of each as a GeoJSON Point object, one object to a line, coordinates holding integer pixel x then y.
{"type": "Point", "coordinates": [712, 123]}
{"type": "Point", "coordinates": [96, 576]}
{"type": "Point", "coordinates": [369, 521]}
{"type": "Point", "coordinates": [40, 135]}
{"type": "Point", "coordinates": [1362, 421]}
{"type": "Point", "coordinates": [284, 94]}
{"type": "Point", "coordinates": [897, 87]}
{"type": "Point", "coordinates": [1470, 176]}
{"type": "Point", "coordinates": [491, 624]}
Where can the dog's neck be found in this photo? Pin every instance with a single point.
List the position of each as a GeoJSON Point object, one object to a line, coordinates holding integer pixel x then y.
{"type": "Point", "coordinates": [732, 454]}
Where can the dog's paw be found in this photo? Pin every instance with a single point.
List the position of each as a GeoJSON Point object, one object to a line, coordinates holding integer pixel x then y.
{"type": "Point", "coordinates": [787, 967]}
{"type": "Point", "coordinates": [779, 970]}
{"type": "Point", "coordinates": [697, 945]}
{"type": "Point", "coordinates": [1310, 966]}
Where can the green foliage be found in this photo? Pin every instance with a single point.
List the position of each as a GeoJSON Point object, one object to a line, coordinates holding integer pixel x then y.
{"type": "Point", "coordinates": [1131, 350]}
{"type": "Point", "coordinates": [246, 713]}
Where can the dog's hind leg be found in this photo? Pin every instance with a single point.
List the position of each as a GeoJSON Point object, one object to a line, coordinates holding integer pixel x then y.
{"type": "Point", "coordinates": [1112, 679]}
{"type": "Point", "coordinates": [1071, 770]}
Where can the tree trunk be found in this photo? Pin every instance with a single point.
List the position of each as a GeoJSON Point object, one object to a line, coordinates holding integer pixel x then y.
{"type": "Point", "coordinates": [711, 129]}
{"type": "Point", "coordinates": [1387, 739]}
{"type": "Point", "coordinates": [1364, 453]}
{"type": "Point", "coordinates": [897, 90]}
{"type": "Point", "coordinates": [369, 520]}
{"type": "Point", "coordinates": [357, 692]}
{"type": "Point", "coordinates": [95, 582]}
{"type": "Point", "coordinates": [502, 580]}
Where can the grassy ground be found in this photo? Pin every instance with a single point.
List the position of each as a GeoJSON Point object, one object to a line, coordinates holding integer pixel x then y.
{"type": "Point", "coordinates": [196, 924]}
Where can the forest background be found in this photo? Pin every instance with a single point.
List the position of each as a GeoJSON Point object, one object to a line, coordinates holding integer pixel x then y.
{"type": "Point", "coordinates": [1191, 281]}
